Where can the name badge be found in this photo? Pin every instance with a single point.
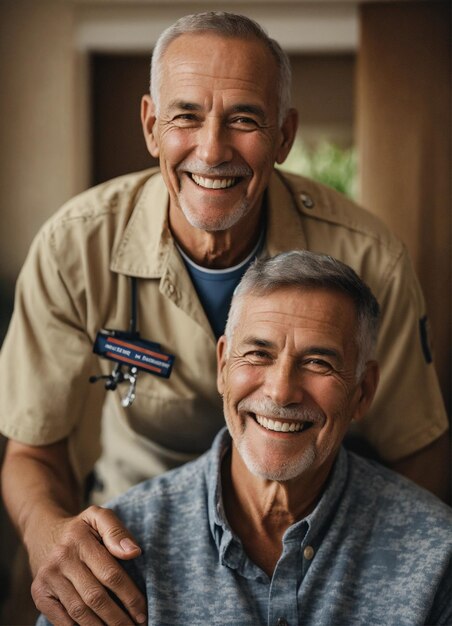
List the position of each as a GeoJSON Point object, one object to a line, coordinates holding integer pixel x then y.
{"type": "Point", "coordinates": [130, 349]}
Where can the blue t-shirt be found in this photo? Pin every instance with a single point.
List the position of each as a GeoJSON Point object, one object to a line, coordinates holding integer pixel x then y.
{"type": "Point", "coordinates": [215, 288]}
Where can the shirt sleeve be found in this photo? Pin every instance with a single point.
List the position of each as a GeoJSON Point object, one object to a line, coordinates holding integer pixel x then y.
{"type": "Point", "coordinates": [46, 358]}
{"type": "Point", "coordinates": [408, 412]}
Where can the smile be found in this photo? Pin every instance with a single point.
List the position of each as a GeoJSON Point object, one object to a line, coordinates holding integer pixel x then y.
{"type": "Point", "coordinates": [283, 427]}
{"type": "Point", "coordinates": [214, 183]}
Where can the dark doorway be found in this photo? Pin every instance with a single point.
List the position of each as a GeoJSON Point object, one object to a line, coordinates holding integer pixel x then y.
{"type": "Point", "coordinates": [117, 83]}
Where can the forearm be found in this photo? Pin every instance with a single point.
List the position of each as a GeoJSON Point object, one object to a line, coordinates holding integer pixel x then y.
{"type": "Point", "coordinates": [75, 574]}
{"type": "Point", "coordinates": [38, 487]}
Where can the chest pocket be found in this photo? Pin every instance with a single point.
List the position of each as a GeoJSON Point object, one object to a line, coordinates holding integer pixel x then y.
{"type": "Point", "coordinates": [175, 418]}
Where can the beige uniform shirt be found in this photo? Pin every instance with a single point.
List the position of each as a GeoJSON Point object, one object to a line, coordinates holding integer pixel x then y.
{"type": "Point", "coordinates": [75, 281]}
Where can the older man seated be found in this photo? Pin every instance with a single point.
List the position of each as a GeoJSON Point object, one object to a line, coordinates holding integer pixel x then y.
{"type": "Point", "coordinates": [277, 524]}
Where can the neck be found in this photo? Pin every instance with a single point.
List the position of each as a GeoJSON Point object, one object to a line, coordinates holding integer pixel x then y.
{"type": "Point", "coordinates": [260, 510]}
{"type": "Point", "coordinates": [217, 249]}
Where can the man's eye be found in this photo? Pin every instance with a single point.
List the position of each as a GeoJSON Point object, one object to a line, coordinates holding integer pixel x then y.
{"type": "Point", "coordinates": [258, 356]}
{"type": "Point", "coordinates": [243, 122]}
{"type": "Point", "coordinates": [185, 119]}
{"type": "Point", "coordinates": [319, 366]}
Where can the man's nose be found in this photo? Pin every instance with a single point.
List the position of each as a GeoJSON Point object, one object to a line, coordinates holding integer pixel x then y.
{"type": "Point", "coordinates": [283, 383]}
{"type": "Point", "coordinates": [213, 143]}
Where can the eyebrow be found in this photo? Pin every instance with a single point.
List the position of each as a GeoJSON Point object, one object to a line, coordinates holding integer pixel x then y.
{"type": "Point", "coordinates": [260, 343]}
{"type": "Point", "coordinates": [183, 105]}
{"type": "Point", "coordinates": [322, 351]}
{"type": "Point", "coordinates": [254, 109]}
{"type": "Point", "coordinates": [309, 351]}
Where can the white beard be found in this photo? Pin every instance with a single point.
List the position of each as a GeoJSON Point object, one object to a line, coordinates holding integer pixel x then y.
{"type": "Point", "coordinates": [286, 471]}
{"type": "Point", "coordinates": [222, 222]}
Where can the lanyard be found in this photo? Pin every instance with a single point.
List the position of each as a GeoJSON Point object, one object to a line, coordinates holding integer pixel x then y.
{"type": "Point", "coordinates": [128, 350]}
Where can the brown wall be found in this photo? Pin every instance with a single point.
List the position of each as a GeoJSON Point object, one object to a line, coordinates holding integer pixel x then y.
{"type": "Point", "coordinates": [404, 139]}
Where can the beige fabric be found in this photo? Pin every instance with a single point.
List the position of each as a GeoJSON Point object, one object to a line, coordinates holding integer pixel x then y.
{"type": "Point", "coordinates": [75, 281]}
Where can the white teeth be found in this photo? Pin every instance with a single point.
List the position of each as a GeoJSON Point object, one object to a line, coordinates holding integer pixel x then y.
{"type": "Point", "coordinates": [284, 427]}
{"type": "Point", "coordinates": [213, 183]}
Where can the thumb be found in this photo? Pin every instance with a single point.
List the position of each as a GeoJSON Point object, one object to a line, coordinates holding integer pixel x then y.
{"type": "Point", "coordinates": [115, 536]}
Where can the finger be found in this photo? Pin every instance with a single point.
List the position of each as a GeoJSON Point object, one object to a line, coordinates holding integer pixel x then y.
{"type": "Point", "coordinates": [75, 606]}
{"type": "Point", "coordinates": [47, 603]}
{"type": "Point", "coordinates": [113, 533]}
{"type": "Point", "coordinates": [67, 589]}
{"type": "Point", "coordinates": [53, 610]}
{"type": "Point", "coordinates": [105, 569]}
{"type": "Point", "coordinates": [96, 597]}
{"type": "Point", "coordinates": [63, 606]}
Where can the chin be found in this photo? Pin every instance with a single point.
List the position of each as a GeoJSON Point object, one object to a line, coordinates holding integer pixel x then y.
{"type": "Point", "coordinates": [213, 224]}
{"type": "Point", "coordinates": [279, 472]}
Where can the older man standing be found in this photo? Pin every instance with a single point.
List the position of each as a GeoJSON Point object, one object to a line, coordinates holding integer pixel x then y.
{"type": "Point", "coordinates": [281, 526]}
{"type": "Point", "coordinates": [218, 118]}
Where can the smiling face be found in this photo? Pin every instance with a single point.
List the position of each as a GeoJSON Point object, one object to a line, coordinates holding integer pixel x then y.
{"type": "Point", "coordinates": [288, 381]}
{"type": "Point", "coordinates": [216, 129]}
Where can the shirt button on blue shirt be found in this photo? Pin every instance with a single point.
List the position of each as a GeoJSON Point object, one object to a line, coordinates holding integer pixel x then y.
{"type": "Point", "coordinates": [308, 553]}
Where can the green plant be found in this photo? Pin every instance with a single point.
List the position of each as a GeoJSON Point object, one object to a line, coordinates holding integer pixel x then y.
{"type": "Point", "coordinates": [327, 163]}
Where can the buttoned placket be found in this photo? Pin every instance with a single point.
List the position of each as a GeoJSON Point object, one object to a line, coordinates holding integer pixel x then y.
{"type": "Point", "coordinates": [301, 542]}
{"type": "Point", "coordinates": [288, 576]}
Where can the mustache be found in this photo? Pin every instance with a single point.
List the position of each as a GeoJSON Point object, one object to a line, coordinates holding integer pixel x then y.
{"type": "Point", "coordinates": [267, 407]}
{"type": "Point", "coordinates": [199, 168]}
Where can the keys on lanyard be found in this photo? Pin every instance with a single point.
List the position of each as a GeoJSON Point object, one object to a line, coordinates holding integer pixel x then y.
{"type": "Point", "coordinates": [128, 350]}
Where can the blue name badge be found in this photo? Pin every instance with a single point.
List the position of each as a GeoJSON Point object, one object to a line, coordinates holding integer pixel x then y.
{"type": "Point", "coordinates": [133, 351]}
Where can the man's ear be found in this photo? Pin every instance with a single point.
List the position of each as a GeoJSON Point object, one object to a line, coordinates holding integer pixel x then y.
{"type": "Point", "coordinates": [221, 361]}
{"type": "Point", "coordinates": [288, 132]}
{"type": "Point", "coordinates": [148, 118]}
{"type": "Point", "coordinates": [366, 389]}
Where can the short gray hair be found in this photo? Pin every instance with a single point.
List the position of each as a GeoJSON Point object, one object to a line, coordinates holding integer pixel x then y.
{"type": "Point", "coordinates": [225, 25]}
{"type": "Point", "coordinates": [301, 268]}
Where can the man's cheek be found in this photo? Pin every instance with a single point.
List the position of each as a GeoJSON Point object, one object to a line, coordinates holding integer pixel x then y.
{"type": "Point", "coordinates": [243, 379]}
{"type": "Point", "coordinates": [175, 142]}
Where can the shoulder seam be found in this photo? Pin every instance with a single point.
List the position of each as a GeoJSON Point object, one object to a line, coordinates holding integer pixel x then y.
{"type": "Point", "coordinates": [99, 201]}
{"type": "Point", "coordinates": [296, 185]}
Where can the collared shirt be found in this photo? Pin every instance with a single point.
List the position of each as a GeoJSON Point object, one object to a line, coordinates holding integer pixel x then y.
{"type": "Point", "coordinates": [375, 550]}
{"type": "Point", "coordinates": [76, 281]}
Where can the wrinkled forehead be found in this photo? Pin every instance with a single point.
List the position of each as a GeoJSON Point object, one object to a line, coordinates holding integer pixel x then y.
{"type": "Point", "coordinates": [298, 310]}
{"type": "Point", "coordinates": [210, 54]}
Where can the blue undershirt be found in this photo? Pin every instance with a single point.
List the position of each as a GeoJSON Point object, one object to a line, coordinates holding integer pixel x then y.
{"type": "Point", "coordinates": [216, 287]}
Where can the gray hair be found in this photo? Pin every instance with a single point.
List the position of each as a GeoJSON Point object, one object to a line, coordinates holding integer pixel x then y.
{"type": "Point", "coordinates": [301, 268]}
{"type": "Point", "coordinates": [225, 25]}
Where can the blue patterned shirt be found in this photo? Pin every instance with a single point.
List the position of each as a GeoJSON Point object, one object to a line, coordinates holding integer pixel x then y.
{"type": "Point", "coordinates": [376, 550]}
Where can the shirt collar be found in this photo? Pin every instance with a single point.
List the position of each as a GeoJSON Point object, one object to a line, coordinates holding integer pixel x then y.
{"type": "Point", "coordinates": [284, 225]}
{"type": "Point", "coordinates": [313, 527]}
{"type": "Point", "coordinates": [147, 241]}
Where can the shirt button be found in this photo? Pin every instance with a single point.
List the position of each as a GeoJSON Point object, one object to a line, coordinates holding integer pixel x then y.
{"type": "Point", "coordinates": [308, 553]}
{"type": "Point", "coordinates": [307, 201]}
{"type": "Point", "coordinates": [282, 622]}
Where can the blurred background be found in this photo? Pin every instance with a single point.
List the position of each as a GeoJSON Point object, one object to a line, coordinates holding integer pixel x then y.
{"type": "Point", "coordinates": [372, 82]}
